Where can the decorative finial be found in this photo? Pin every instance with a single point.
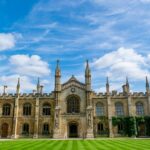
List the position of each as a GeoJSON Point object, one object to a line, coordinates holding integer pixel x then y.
{"type": "Point", "coordinates": [107, 81]}
{"type": "Point", "coordinates": [127, 87]}
{"type": "Point", "coordinates": [147, 83]}
{"type": "Point", "coordinates": [38, 85]}
{"type": "Point", "coordinates": [5, 86]}
{"type": "Point", "coordinates": [18, 86]}
{"type": "Point", "coordinates": [58, 61]}
{"type": "Point", "coordinates": [127, 82]}
{"type": "Point", "coordinates": [107, 86]}
{"type": "Point", "coordinates": [87, 63]}
{"type": "Point", "coordinates": [57, 71]}
{"type": "Point", "coordinates": [41, 89]}
{"type": "Point", "coordinates": [147, 86]}
{"type": "Point", "coordinates": [34, 91]}
{"type": "Point", "coordinates": [87, 70]}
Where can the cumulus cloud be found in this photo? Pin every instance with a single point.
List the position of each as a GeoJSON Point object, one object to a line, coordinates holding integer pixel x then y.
{"type": "Point", "coordinates": [28, 68]}
{"type": "Point", "coordinates": [11, 82]}
{"type": "Point", "coordinates": [7, 41]}
{"type": "Point", "coordinates": [123, 62]}
{"type": "Point", "coordinates": [145, 1]}
{"type": "Point", "coordinates": [27, 83]}
{"type": "Point", "coordinates": [3, 57]}
{"type": "Point", "coordinates": [29, 65]}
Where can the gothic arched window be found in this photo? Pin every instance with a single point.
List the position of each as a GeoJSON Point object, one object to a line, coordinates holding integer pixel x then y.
{"type": "Point", "coordinates": [99, 109]}
{"type": "Point", "coordinates": [119, 109]}
{"type": "Point", "coordinates": [45, 129]}
{"type": "Point", "coordinates": [27, 109]}
{"type": "Point", "coordinates": [139, 108]}
{"type": "Point", "coordinates": [73, 105]}
{"type": "Point", "coordinates": [25, 129]}
{"type": "Point", "coordinates": [46, 109]}
{"type": "Point", "coordinates": [6, 109]}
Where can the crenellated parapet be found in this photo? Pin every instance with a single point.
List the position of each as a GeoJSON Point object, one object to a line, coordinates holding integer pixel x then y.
{"type": "Point", "coordinates": [139, 94]}
{"type": "Point", "coordinates": [7, 96]}
{"type": "Point", "coordinates": [27, 95]}
{"type": "Point", "coordinates": [98, 95]}
{"type": "Point", "coordinates": [119, 95]}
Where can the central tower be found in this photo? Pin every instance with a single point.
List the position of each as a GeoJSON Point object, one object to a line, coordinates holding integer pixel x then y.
{"type": "Point", "coordinates": [73, 106]}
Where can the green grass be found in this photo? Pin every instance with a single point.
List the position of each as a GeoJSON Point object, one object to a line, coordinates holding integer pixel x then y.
{"type": "Point", "coordinates": [102, 144]}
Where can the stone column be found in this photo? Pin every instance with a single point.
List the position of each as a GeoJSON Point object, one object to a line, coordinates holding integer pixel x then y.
{"type": "Point", "coordinates": [0, 116]}
{"type": "Point", "coordinates": [36, 122]}
{"type": "Point", "coordinates": [129, 105]}
{"type": "Point", "coordinates": [148, 105]}
{"type": "Point", "coordinates": [57, 130]}
{"type": "Point", "coordinates": [130, 112]}
{"type": "Point", "coordinates": [148, 96]}
{"type": "Point", "coordinates": [15, 119]}
{"type": "Point", "coordinates": [56, 134]}
{"type": "Point", "coordinates": [0, 111]}
{"type": "Point", "coordinates": [109, 108]}
{"type": "Point", "coordinates": [89, 116]}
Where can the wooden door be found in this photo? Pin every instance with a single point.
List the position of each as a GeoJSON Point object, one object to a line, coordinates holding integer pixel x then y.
{"type": "Point", "coordinates": [4, 130]}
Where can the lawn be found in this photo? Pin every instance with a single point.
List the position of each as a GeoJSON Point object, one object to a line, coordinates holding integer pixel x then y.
{"type": "Point", "coordinates": [102, 144]}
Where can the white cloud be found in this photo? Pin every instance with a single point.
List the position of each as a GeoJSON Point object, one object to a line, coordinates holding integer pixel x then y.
{"type": "Point", "coordinates": [28, 68]}
{"type": "Point", "coordinates": [11, 82]}
{"type": "Point", "coordinates": [123, 62]}
{"type": "Point", "coordinates": [7, 41]}
{"type": "Point", "coordinates": [46, 26]}
{"type": "Point", "coordinates": [3, 57]}
{"type": "Point", "coordinates": [31, 66]}
{"type": "Point", "coordinates": [145, 1]}
{"type": "Point", "coordinates": [27, 84]}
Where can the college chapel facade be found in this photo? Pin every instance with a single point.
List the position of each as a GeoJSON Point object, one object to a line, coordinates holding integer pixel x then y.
{"type": "Point", "coordinates": [74, 110]}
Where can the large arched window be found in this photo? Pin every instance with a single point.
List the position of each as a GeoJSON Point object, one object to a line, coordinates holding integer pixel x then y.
{"type": "Point", "coordinates": [6, 109]}
{"type": "Point", "coordinates": [46, 109]}
{"type": "Point", "coordinates": [25, 129]}
{"type": "Point", "coordinates": [27, 109]}
{"type": "Point", "coordinates": [99, 109]}
{"type": "Point", "coordinates": [73, 104]}
{"type": "Point", "coordinates": [45, 129]}
{"type": "Point", "coordinates": [139, 108]}
{"type": "Point", "coordinates": [119, 109]}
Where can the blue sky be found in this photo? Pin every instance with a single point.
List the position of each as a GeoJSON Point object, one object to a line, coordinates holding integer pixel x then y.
{"type": "Point", "coordinates": [113, 35]}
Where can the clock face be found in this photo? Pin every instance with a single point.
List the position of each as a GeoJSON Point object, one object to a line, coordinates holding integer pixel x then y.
{"type": "Point", "coordinates": [72, 89]}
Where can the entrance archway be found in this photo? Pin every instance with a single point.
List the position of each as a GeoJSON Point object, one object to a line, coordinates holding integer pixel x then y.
{"type": "Point", "coordinates": [100, 128]}
{"type": "Point", "coordinates": [4, 130]}
{"type": "Point", "coordinates": [73, 130]}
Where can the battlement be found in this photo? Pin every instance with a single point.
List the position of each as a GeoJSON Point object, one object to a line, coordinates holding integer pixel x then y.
{"type": "Point", "coordinates": [27, 95]}
{"type": "Point", "coordinates": [138, 94]}
{"type": "Point", "coordinates": [9, 95]}
{"type": "Point", "coordinates": [115, 94]}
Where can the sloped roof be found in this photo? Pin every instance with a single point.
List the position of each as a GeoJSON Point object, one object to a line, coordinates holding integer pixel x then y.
{"type": "Point", "coordinates": [73, 78]}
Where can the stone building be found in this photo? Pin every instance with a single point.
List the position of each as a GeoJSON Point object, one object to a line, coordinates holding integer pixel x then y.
{"type": "Point", "coordinates": [71, 110]}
